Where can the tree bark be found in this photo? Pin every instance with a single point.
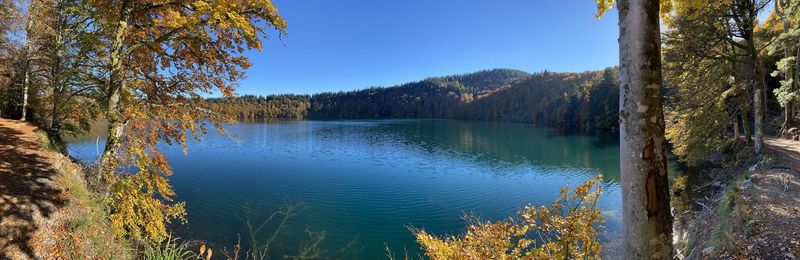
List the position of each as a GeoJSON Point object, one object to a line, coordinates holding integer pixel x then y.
{"type": "Point", "coordinates": [759, 108]}
{"type": "Point", "coordinates": [788, 119]}
{"type": "Point", "coordinates": [645, 187]}
{"type": "Point", "coordinates": [114, 88]}
{"type": "Point", "coordinates": [57, 81]}
{"type": "Point", "coordinates": [26, 82]}
{"type": "Point", "coordinates": [758, 115]}
{"type": "Point", "coordinates": [748, 134]}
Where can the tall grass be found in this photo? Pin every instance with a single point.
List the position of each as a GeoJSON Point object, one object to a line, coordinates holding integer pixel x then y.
{"type": "Point", "coordinates": [171, 249]}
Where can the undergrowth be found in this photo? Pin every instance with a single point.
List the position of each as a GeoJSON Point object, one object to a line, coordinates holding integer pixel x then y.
{"type": "Point", "coordinates": [80, 229]}
{"type": "Point", "coordinates": [730, 222]}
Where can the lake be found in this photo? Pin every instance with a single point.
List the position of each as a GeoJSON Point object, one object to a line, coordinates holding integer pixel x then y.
{"type": "Point", "coordinates": [364, 183]}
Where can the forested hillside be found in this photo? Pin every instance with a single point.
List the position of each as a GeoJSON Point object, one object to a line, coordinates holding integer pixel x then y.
{"type": "Point", "coordinates": [276, 106]}
{"type": "Point", "coordinates": [584, 101]}
{"type": "Point", "coordinates": [431, 98]}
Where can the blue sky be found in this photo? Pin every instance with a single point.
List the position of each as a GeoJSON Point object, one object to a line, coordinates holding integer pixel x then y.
{"type": "Point", "coordinates": [353, 44]}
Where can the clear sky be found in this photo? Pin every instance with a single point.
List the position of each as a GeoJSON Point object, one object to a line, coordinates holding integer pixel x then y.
{"type": "Point", "coordinates": [335, 45]}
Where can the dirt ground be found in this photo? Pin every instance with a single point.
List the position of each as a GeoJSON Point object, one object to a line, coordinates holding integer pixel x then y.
{"type": "Point", "coordinates": [769, 205]}
{"type": "Point", "coordinates": [27, 194]}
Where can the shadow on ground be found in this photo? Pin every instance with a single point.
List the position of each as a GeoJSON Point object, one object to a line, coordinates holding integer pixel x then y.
{"type": "Point", "coordinates": [26, 191]}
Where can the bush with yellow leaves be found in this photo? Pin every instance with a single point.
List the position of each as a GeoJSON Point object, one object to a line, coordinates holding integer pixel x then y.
{"type": "Point", "coordinates": [566, 230]}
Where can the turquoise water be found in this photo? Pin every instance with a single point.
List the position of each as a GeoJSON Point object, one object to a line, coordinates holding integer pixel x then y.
{"type": "Point", "coordinates": [364, 183]}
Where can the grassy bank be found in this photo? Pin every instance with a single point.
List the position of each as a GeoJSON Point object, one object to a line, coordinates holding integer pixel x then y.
{"type": "Point", "coordinates": [80, 228]}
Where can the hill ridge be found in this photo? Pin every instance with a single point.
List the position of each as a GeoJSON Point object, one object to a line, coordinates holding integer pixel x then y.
{"type": "Point", "coordinates": [557, 99]}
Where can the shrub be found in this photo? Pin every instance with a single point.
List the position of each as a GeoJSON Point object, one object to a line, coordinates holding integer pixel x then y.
{"type": "Point", "coordinates": [566, 230]}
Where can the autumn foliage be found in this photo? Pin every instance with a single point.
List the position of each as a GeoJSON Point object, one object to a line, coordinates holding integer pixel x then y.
{"type": "Point", "coordinates": [567, 229]}
{"type": "Point", "coordinates": [158, 60]}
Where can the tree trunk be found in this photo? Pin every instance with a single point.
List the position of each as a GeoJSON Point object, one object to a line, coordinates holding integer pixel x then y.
{"type": "Point", "coordinates": [787, 115]}
{"type": "Point", "coordinates": [757, 121]}
{"type": "Point", "coordinates": [795, 84]}
{"type": "Point", "coordinates": [645, 187]}
{"type": "Point", "coordinates": [788, 121]}
{"type": "Point", "coordinates": [748, 134]}
{"type": "Point", "coordinates": [114, 88]}
{"type": "Point", "coordinates": [26, 82]}
{"type": "Point", "coordinates": [57, 82]}
{"type": "Point", "coordinates": [764, 99]}
{"type": "Point", "coordinates": [55, 120]}
{"type": "Point", "coordinates": [745, 18]}
{"type": "Point", "coordinates": [758, 104]}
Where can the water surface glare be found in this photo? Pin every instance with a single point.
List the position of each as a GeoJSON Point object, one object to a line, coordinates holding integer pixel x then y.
{"type": "Point", "coordinates": [364, 183]}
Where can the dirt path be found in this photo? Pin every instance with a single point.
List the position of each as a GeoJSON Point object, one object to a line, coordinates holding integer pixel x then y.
{"type": "Point", "coordinates": [770, 205]}
{"type": "Point", "coordinates": [27, 194]}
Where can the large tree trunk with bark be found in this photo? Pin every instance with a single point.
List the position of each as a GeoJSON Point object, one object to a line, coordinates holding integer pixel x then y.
{"type": "Point", "coordinates": [57, 81]}
{"type": "Point", "coordinates": [645, 187]}
{"type": "Point", "coordinates": [114, 88]}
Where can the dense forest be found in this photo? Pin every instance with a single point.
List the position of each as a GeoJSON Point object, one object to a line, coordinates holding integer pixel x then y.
{"type": "Point", "coordinates": [585, 101]}
{"type": "Point", "coordinates": [276, 106]}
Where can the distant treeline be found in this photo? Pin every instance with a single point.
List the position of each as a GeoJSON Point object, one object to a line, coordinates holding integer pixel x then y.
{"type": "Point", "coordinates": [275, 106]}
{"type": "Point", "coordinates": [582, 101]}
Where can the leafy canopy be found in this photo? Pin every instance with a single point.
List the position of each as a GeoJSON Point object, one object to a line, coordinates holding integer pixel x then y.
{"type": "Point", "coordinates": [172, 53]}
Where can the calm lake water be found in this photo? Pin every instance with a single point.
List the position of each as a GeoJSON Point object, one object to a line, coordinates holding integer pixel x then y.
{"type": "Point", "coordinates": [364, 183]}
